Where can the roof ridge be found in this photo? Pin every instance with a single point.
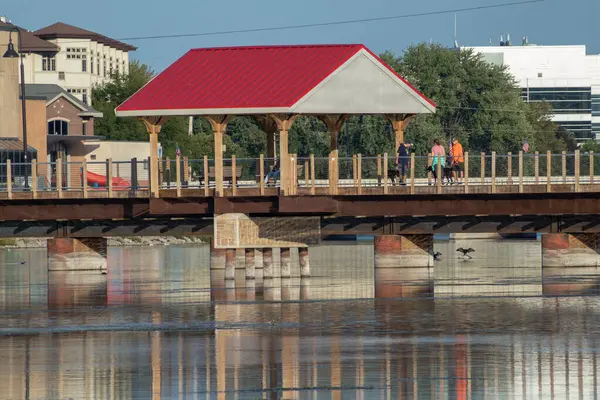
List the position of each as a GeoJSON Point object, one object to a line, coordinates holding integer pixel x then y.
{"type": "Point", "coordinates": [277, 46]}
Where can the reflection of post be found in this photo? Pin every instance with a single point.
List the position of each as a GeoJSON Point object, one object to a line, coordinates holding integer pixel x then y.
{"type": "Point", "coordinates": [208, 362]}
{"type": "Point", "coordinates": [315, 369]}
{"type": "Point", "coordinates": [250, 294]}
{"type": "Point", "coordinates": [180, 364]}
{"type": "Point", "coordinates": [305, 289]}
{"type": "Point", "coordinates": [156, 348]}
{"type": "Point", "coordinates": [336, 372]}
{"type": "Point", "coordinates": [221, 359]}
{"type": "Point", "coordinates": [264, 348]}
{"type": "Point", "coordinates": [461, 369]}
{"type": "Point", "coordinates": [388, 368]}
{"type": "Point", "coordinates": [230, 290]}
{"type": "Point", "coordinates": [289, 366]}
{"type": "Point", "coordinates": [360, 370]}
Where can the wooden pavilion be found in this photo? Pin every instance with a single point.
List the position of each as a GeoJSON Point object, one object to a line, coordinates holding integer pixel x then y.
{"type": "Point", "coordinates": [275, 85]}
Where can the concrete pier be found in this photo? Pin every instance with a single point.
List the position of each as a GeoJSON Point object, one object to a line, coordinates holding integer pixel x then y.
{"type": "Point", "coordinates": [250, 264]}
{"type": "Point", "coordinates": [403, 266]}
{"type": "Point", "coordinates": [83, 254]}
{"type": "Point", "coordinates": [267, 263]}
{"type": "Point", "coordinates": [217, 257]}
{"type": "Point", "coordinates": [570, 263]}
{"type": "Point", "coordinates": [230, 262]}
{"type": "Point", "coordinates": [304, 262]}
{"type": "Point", "coordinates": [286, 262]}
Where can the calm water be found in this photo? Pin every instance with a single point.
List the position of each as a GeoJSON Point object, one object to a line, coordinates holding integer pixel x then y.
{"type": "Point", "coordinates": [152, 329]}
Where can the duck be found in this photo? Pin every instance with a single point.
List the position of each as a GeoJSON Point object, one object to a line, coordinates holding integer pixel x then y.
{"type": "Point", "coordinates": [466, 251]}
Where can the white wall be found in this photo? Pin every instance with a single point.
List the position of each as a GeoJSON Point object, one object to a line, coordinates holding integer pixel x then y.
{"type": "Point", "coordinates": [559, 66]}
{"type": "Point", "coordinates": [75, 78]}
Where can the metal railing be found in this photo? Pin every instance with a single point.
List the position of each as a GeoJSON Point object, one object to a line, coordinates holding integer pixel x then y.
{"type": "Point", "coordinates": [382, 174]}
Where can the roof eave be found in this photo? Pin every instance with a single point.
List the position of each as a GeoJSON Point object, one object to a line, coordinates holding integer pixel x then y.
{"type": "Point", "coordinates": [201, 111]}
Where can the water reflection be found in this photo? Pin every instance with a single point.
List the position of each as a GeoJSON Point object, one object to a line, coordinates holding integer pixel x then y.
{"type": "Point", "coordinates": [149, 329]}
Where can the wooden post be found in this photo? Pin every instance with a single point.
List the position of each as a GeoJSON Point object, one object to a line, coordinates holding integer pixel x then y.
{"type": "Point", "coordinates": [577, 161]}
{"type": "Point", "coordinates": [168, 169]}
{"type": "Point", "coordinates": [354, 173]}
{"type": "Point", "coordinates": [284, 169]}
{"type": "Point", "coordinates": [548, 171]}
{"type": "Point", "coordinates": [591, 167]}
{"type": "Point", "coordinates": [509, 169]}
{"type": "Point", "coordinates": [178, 176]}
{"type": "Point", "coordinates": [482, 168]}
{"type": "Point", "coordinates": [412, 173]}
{"type": "Point", "coordinates": [9, 178]}
{"type": "Point", "coordinates": [218, 143]}
{"type": "Point", "coordinates": [379, 169]}
{"type": "Point", "coordinates": [336, 167]}
{"type": "Point", "coordinates": [206, 178]}
{"type": "Point", "coordinates": [466, 166]}
{"type": "Point", "coordinates": [84, 179]}
{"type": "Point", "coordinates": [331, 172]}
{"type": "Point", "coordinates": [438, 174]}
{"type": "Point", "coordinates": [385, 173]}
{"type": "Point", "coordinates": [429, 162]}
{"type": "Point", "coordinates": [306, 173]}
{"type": "Point", "coordinates": [359, 173]}
{"type": "Point", "coordinates": [312, 174]}
{"type": "Point", "coordinates": [493, 172]}
{"type": "Point", "coordinates": [564, 166]}
{"type": "Point", "coordinates": [34, 185]}
{"type": "Point", "coordinates": [536, 167]}
{"type": "Point", "coordinates": [292, 175]}
{"type": "Point", "coordinates": [109, 182]}
{"type": "Point", "coordinates": [261, 174]}
{"type": "Point", "coordinates": [233, 175]}
{"type": "Point", "coordinates": [59, 177]}
{"type": "Point", "coordinates": [520, 172]}
{"type": "Point", "coordinates": [153, 127]}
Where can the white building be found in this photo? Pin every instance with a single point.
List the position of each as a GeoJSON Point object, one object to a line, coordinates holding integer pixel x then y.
{"type": "Point", "coordinates": [84, 59]}
{"type": "Point", "coordinates": [564, 76]}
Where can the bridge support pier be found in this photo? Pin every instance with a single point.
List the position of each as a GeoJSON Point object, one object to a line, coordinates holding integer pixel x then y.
{"type": "Point", "coordinates": [403, 266]}
{"type": "Point", "coordinates": [570, 263]}
{"type": "Point", "coordinates": [304, 262]}
{"type": "Point", "coordinates": [230, 261]}
{"type": "Point", "coordinates": [250, 266]}
{"type": "Point", "coordinates": [71, 254]}
{"type": "Point", "coordinates": [267, 263]}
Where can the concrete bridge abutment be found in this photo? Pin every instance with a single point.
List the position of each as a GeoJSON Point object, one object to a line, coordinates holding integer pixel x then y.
{"type": "Point", "coordinates": [77, 254]}
{"type": "Point", "coordinates": [570, 263]}
{"type": "Point", "coordinates": [403, 266]}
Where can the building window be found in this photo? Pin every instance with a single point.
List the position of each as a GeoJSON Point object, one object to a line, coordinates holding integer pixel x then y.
{"type": "Point", "coordinates": [92, 65]}
{"type": "Point", "coordinates": [84, 96]}
{"type": "Point", "coordinates": [48, 64]}
{"type": "Point", "coordinates": [540, 75]}
{"type": "Point", "coordinates": [104, 68]}
{"type": "Point", "coordinates": [58, 127]}
{"type": "Point", "coordinates": [83, 65]}
{"type": "Point", "coordinates": [98, 67]}
{"type": "Point", "coordinates": [562, 99]}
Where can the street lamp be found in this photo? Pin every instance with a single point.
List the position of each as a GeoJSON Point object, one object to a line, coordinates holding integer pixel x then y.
{"type": "Point", "coordinates": [12, 53]}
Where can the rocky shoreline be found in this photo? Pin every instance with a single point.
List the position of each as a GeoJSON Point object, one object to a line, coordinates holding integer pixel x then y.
{"type": "Point", "coordinates": [18, 243]}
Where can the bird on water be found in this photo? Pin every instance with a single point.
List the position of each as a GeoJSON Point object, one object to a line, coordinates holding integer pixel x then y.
{"type": "Point", "coordinates": [437, 255]}
{"type": "Point", "coordinates": [466, 251]}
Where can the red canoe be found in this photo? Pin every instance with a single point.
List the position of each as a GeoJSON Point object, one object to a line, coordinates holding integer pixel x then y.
{"type": "Point", "coordinates": [100, 180]}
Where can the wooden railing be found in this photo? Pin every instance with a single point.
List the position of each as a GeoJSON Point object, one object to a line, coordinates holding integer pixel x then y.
{"type": "Point", "coordinates": [356, 175]}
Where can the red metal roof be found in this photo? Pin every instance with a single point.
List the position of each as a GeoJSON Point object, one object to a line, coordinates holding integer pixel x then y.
{"type": "Point", "coordinates": [258, 77]}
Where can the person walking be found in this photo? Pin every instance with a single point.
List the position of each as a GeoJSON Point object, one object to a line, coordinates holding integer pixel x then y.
{"type": "Point", "coordinates": [439, 156]}
{"type": "Point", "coordinates": [458, 161]}
{"type": "Point", "coordinates": [403, 161]}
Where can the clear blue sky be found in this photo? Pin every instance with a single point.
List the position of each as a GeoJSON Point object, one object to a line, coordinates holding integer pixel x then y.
{"type": "Point", "coordinates": [550, 22]}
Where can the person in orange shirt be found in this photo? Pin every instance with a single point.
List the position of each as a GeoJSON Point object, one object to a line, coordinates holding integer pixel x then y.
{"type": "Point", "coordinates": [458, 161]}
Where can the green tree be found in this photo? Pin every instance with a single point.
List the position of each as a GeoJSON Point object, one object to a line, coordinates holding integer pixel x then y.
{"type": "Point", "coordinates": [476, 101]}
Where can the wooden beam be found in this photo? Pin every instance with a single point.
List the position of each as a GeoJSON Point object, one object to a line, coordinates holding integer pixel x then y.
{"type": "Point", "coordinates": [34, 172]}
{"type": "Point", "coordinates": [520, 171]}
{"type": "Point", "coordinates": [359, 175]}
{"type": "Point", "coordinates": [412, 173]}
{"type": "Point", "coordinates": [591, 167]}
{"type": "Point", "coordinates": [548, 171]}
{"type": "Point", "coordinates": [493, 172]}
{"type": "Point", "coordinates": [153, 127]}
{"type": "Point", "coordinates": [218, 124]}
{"type": "Point", "coordinates": [178, 176]}
{"type": "Point", "coordinates": [9, 178]}
{"type": "Point", "coordinates": [109, 174]}
{"type": "Point", "coordinates": [577, 166]}
{"type": "Point", "coordinates": [261, 173]}
{"type": "Point", "coordinates": [84, 179]}
{"type": "Point", "coordinates": [399, 123]}
{"type": "Point", "coordinates": [233, 175]}
{"type": "Point", "coordinates": [284, 122]}
{"type": "Point", "coordinates": [466, 166]}
{"type": "Point", "coordinates": [312, 174]}
{"type": "Point", "coordinates": [59, 177]}
{"type": "Point", "coordinates": [206, 178]}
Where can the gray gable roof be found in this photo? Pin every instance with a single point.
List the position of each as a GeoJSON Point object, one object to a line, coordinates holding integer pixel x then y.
{"type": "Point", "coordinates": [50, 92]}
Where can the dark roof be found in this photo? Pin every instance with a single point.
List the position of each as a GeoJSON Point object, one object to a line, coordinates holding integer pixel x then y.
{"type": "Point", "coordinates": [49, 92]}
{"type": "Point", "coordinates": [61, 30]}
{"type": "Point", "coordinates": [13, 144]}
{"type": "Point", "coordinates": [31, 43]}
